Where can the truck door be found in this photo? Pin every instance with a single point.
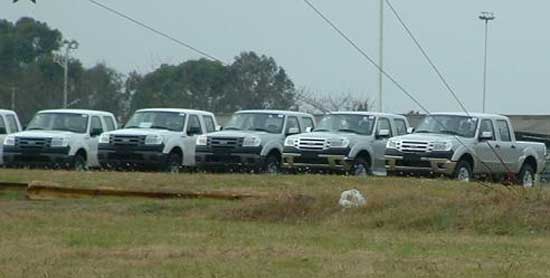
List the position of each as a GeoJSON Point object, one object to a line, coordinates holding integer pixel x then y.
{"type": "Point", "coordinates": [484, 150]}
{"type": "Point", "coordinates": [192, 130]}
{"type": "Point", "coordinates": [3, 132]}
{"type": "Point", "coordinates": [379, 146]}
{"type": "Point", "coordinates": [507, 149]}
{"type": "Point", "coordinates": [96, 128]}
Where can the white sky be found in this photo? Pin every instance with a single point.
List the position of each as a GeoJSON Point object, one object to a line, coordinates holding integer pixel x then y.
{"type": "Point", "coordinates": [315, 57]}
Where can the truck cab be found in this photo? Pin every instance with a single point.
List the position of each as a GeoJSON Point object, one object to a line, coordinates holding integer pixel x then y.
{"type": "Point", "coordinates": [156, 138]}
{"type": "Point", "coordinates": [9, 123]}
{"type": "Point", "coordinates": [352, 142]}
{"type": "Point", "coordinates": [62, 138]}
{"type": "Point", "coordinates": [463, 145]}
{"type": "Point", "coordinates": [252, 139]}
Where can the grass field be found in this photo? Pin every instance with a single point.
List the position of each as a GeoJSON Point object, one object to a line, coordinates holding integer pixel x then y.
{"type": "Point", "coordinates": [410, 228]}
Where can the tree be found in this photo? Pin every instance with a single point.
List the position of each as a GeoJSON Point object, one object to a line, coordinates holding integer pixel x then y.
{"type": "Point", "coordinates": [316, 103]}
{"type": "Point", "coordinates": [100, 88]}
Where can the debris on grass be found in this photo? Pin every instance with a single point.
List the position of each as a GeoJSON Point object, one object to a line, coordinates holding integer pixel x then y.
{"type": "Point", "coordinates": [352, 199]}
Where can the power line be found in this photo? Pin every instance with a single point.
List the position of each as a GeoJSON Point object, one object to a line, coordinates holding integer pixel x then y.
{"type": "Point", "coordinates": [423, 51]}
{"type": "Point", "coordinates": [154, 30]}
{"type": "Point", "coordinates": [360, 50]}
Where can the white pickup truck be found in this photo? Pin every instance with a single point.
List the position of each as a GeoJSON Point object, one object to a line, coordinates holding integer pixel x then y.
{"type": "Point", "coordinates": [62, 138]}
{"type": "Point", "coordinates": [465, 145]}
{"type": "Point", "coordinates": [158, 138]}
{"type": "Point", "coordinates": [9, 123]}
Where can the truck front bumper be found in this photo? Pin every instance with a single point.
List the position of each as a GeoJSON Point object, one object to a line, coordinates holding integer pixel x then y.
{"type": "Point", "coordinates": [421, 163]}
{"type": "Point", "coordinates": [248, 157]}
{"type": "Point", "coordinates": [336, 159]}
{"type": "Point", "coordinates": [131, 157]}
{"type": "Point", "coordinates": [42, 158]}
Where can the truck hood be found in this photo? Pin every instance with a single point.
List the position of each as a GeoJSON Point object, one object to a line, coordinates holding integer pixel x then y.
{"type": "Point", "coordinates": [429, 137]}
{"type": "Point", "coordinates": [44, 133]}
{"type": "Point", "coordinates": [140, 132]}
{"type": "Point", "coordinates": [238, 133]}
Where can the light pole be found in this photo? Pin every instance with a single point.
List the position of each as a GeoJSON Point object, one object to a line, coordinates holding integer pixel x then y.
{"type": "Point", "coordinates": [381, 58]}
{"type": "Point", "coordinates": [485, 16]}
{"type": "Point", "coordinates": [63, 61]}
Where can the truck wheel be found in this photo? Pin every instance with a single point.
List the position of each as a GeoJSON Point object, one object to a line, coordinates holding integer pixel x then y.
{"type": "Point", "coordinates": [272, 165]}
{"type": "Point", "coordinates": [174, 163]}
{"type": "Point", "coordinates": [360, 167]}
{"type": "Point", "coordinates": [79, 163]}
{"type": "Point", "coordinates": [527, 176]}
{"type": "Point", "coordinates": [463, 171]}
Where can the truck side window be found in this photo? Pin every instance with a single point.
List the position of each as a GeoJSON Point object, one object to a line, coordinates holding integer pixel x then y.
{"type": "Point", "coordinates": [12, 124]}
{"type": "Point", "coordinates": [209, 122]}
{"type": "Point", "coordinates": [3, 126]}
{"type": "Point", "coordinates": [308, 122]}
{"type": "Point", "coordinates": [504, 130]}
{"type": "Point", "coordinates": [400, 126]}
{"type": "Point", "coordinates": [109, 123]}
{"type": "Point", "coordinates": [384, 123]}
{"type": "Point", "coordinates": [194, 126]}
{"type": "Point", "coordinates": [96, 125]}
{"type": "Point", "coordinates": [292, 122]}
{"type": "Point", "coordinates": [487, 126]}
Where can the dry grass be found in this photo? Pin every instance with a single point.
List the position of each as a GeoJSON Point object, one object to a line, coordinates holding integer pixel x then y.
{"type": "Point", "coordinates": [410, 228]}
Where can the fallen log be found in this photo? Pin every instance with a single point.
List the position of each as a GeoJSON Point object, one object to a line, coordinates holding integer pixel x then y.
{"type": "Point", "coordinates": [47, 191]}
{"type": "Point", "coordinates": [13, 185]}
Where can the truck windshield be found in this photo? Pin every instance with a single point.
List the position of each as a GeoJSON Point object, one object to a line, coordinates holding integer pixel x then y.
{"type": "Point", "coordinates": [72, 122]}
{"type": "Point", "coordinates": [272, 123]}
{"type": "Point", "coordinates": [159, 120]}
{"type": "Point", "coordinates": [448, 124]}
{"type": "Point", "coordinates": [360, 124]}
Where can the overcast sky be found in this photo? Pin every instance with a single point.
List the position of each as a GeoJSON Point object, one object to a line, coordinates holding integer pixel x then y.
{"type": "Point", "coordinates": [316, 58]}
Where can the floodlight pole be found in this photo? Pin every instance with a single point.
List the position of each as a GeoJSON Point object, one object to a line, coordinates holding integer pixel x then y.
{"type": "Point", "coordinates": [381, 58]}
{"type": "Point", "coordinates": [69, 45]}
{"type": "Point", "coordinates": [485, 16]}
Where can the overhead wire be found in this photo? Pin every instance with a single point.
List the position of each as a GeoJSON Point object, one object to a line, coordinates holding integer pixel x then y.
{"type": "Point", "coordinates": [156, 31]}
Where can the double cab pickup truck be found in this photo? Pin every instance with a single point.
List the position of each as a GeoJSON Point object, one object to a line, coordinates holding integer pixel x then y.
{"type": "Point", "coordinates": [352, 142]}
{"type": "Point", "coordinates": [63, 138]}
{"type": "Point", "coordinates": [463, 145]}
{"type": "Point", "coordinates": [9, 123]}
{"type": "Point", "coordinates": [156, 138]}
{"type": "Point", "coordinates": [252, 139]}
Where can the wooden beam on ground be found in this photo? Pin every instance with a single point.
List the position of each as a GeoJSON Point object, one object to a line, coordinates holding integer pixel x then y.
{"type": "Point", "coordinates": [48, 191]}
{"type": "Point", "coordinates": [13, 185]}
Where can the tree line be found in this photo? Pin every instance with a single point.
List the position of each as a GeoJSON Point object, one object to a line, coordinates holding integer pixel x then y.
{"type": "Point", "coordinates": [27, 53]}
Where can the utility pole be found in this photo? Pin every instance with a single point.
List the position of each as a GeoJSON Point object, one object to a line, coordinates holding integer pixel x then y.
{"type": "Point", "coordinates": [13, 88]}
{"type": "Point", "coordinates": [63, 61]}
{"type": "Point", "coordinates": [381, 59]}
{"type": "Point", "coordinates": [485, 16]}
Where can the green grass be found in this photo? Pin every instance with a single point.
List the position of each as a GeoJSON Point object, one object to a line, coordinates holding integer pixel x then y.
{"type": "Point", "coordinates": [410, 228]}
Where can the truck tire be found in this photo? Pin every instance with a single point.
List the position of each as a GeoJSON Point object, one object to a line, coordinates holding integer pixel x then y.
{"type": "Point", "coordinates": [360, 167]}
{"type": "Point", "coordinates": [463, 171]}
{"type": "Point", "coordinates": [79, 163]}
{"type": "Point", "coordinates": [526, 176]}
{"type": "Point", "coordinates": [272, 165]}
{"type": "Point", "coordinates": [173, 164]}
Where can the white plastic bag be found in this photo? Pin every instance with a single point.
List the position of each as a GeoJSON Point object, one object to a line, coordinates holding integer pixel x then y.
{"type": "Point", "coordinates": [352, 199]}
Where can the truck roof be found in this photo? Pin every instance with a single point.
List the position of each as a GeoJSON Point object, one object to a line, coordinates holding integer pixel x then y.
{"type": "Point", "coordinates": [77, 111]}
{"type": "Point", "coordinates": [366, 113]}
{"type": "Point", "coordinates": [477, 115]}
{"type": "Point", "coordinates": [5, 111]}
{"type": "Point", "coordinates": [176, 110]}
{"type": "Point", "coordinates": [266, 111]}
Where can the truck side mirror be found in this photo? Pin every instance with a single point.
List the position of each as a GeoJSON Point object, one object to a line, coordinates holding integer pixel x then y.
{"type": "Point", "coordinates": [410, 130]}
{"type": "Point", "coordinates": [194, 131]}
{"type": "Point", "coordinates": [293, 130]}
{"type": "Point", "coordinates": [96, 132]}
{"type": "Point", "coordinates": [383, 133]}
{"type": "Point", "coordinates": [3, 130]}
{"type": "Point", "coordinates": [309, 129]}
{"type": "Point", "coordinates": [486, 136]}
{"type": "Point", "coordinates": [219, 128]}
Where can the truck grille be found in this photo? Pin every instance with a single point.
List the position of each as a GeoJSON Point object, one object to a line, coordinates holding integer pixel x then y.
{"type": "Point", "coordinates": [312, 144]}
{"type": "Point", "coordinates": [414, 146]}
{"type": "Point", "coordinates": [224, 142]}
{"type": "Point", "coordinates": [32, 143]}
{"type": "Point", "coordinates": [127, 140]}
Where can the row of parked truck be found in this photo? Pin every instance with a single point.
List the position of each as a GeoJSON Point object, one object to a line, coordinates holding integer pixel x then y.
{"type": "Point", "coordinates": [458, 145]}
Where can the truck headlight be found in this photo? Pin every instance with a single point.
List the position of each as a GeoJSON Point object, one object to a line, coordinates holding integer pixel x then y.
{"type": "Point", "coordinates": [338, 142]}
{"type": "Point", "coordinates": [291, 142]}
{"type": "Point", "coordinates": [202, 140]}
{"type": "Point", "coordinates": [153, 140]}
{"type": "Point", "coordinates": [392, 144]}
{"type": "Point", "coordinates": [9, 141]}
{"type": "Point", "coordinates": [59, 142]}
{"type": "Point", "coordinates": [104, 139]}
{"type": "Point", "coordinates": [252, 141]}
{"type": "Point", "coordinates": [443, 146]}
